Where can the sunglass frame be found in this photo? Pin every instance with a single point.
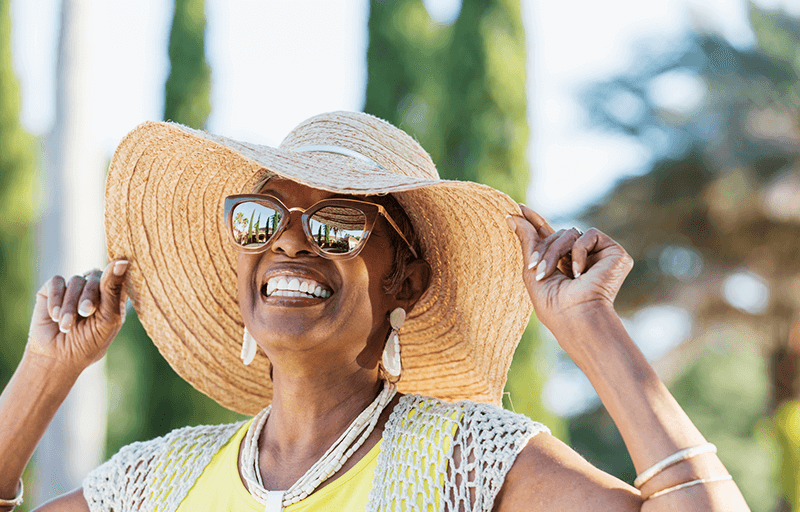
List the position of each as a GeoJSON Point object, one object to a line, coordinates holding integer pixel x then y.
{"type": "Point", "coordinates": [370, 211]}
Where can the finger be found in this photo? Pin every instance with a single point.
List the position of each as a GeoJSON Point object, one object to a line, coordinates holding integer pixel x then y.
{"type": "Point", "coordinates": [580, 252]}
{"type": "Point", "coordinates": [111, 285]}
{"type": "Point", "coordinates": [528, 238]}
{"type": "Point", "coordinates": [90, 298]}
{"type": "Point", "coordinates": [69, 307]}
{"type": "Point", "coordinates": [586, 249]}
{"type": "Point", "coordinates": [541, 249]}
{"type": "Point", "coordinates": [559, 246]}
{"type": "Point", "coordinates": [123, 304]}
{"type": "Point", "coordinates": [542, 227]}
{"type": "Point", "coordinates": [54, 290]}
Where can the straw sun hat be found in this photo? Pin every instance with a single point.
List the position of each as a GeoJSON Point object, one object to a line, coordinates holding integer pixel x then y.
{"type": "Point", "coordinates": [164, 212]}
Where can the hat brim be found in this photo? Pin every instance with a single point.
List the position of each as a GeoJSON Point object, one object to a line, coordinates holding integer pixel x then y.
{"type": "Point", "coordinates": [164, 212]}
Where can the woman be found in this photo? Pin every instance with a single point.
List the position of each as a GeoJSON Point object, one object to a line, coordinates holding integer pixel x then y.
{"type": "Point", "coordinates": [343, 291]}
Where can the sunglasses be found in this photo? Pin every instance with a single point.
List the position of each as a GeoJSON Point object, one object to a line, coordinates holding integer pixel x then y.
{"type": "Point", "coordinates": [335, 228]}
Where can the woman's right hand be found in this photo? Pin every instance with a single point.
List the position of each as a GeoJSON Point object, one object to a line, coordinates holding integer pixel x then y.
{"type": "Point", "coordinates": [74, 322]}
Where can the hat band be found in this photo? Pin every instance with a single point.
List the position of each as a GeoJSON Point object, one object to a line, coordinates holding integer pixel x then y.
{"type": "Point", "coordinates": [341, 151]}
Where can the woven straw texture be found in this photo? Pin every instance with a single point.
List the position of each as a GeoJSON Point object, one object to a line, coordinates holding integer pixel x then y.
{"type": "Point", "coordinates": [164, 212]}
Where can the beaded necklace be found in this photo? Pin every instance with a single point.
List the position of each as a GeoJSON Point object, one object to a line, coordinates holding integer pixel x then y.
{"type": "Point", "coordinates": [332, 461]}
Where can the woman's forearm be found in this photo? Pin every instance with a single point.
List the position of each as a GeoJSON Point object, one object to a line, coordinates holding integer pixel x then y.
{"type": "Point", "coordinates": [652, 423]}
{"type": "Point", "coordinates": [27, 405]}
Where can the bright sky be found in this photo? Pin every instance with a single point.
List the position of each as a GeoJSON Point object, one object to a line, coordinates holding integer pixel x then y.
{"type": "Point", "coordinates": [275, 63]}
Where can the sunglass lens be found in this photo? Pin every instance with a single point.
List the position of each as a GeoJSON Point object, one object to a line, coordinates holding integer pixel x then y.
{"type": "Point", "coordinates": [254, 223]}
{"type": "Point", "coordinates": [337, 229]}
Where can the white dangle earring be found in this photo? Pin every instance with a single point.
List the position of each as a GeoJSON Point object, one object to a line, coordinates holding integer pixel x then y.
{"type": "Point", "coordinates": [391, 352]}
{"type": "Point", "coordinates": [249, 347]}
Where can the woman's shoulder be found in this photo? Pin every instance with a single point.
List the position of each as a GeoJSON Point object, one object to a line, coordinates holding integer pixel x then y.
{"type": "Point", "coordinates": [160, 469]}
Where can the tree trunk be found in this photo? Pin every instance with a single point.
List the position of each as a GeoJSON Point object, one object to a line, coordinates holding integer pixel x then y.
{"type": "Point", "coordinates": [71, 242]}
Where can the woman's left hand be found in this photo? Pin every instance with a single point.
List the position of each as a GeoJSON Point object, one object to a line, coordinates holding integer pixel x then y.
{"type": "Point", "coordinates": [560, 289]}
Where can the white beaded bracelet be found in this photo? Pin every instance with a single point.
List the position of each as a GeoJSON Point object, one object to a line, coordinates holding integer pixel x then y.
{"type": "Point", "coordinates": [689, 484]}
{"type": "Point", "coordinates": [673, 459]}
{"type": "Point", "coordinates": [17, 501]}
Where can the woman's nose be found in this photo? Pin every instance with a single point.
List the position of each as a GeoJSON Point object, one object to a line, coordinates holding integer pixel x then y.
{"type": "Point", "coordinates": [292, 240]}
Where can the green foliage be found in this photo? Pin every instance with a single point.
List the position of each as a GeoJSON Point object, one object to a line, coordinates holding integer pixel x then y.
{"type": "Point", "coordinates": [729, 411]}
{"type": "Point", "coordinates": [188, 90]}
{"type": "Point", "coordinates": [787, 432]}
{"type": "Point", "coordinates": [460, 90]}
{"type": "Point", "coordinates": [147, 398]}
{"type": "Point", "coordinates": [526, 379]}
{"type": "Point", "coordinates": [17, 181]}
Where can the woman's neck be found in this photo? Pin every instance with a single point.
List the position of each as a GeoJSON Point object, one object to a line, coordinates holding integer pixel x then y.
{"type": "Point", "coordinates": [309, 413]}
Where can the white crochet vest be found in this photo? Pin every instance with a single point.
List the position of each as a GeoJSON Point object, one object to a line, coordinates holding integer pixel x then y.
{"type": "Point", "coordinates": [156, 475]}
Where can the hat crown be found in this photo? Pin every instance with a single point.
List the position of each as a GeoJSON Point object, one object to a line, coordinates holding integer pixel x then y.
{"type": "Point", "coordinates": [391, 148]}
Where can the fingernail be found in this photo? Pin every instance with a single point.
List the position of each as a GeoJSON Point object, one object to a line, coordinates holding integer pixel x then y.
{"type": "Point", "coordinates": [511, 223]}
{"type": "Point", "coordinates": [66, 323]}
{"type": "Point", "coordinates": [56, 311]}
{"type": "Point", "coordinates": [575, 270]}
{"type": "Point", "coordinates": [534, 260]}
{"type": "Point", "coordinates": [541, 268]}
{"type": "Point", "coordinates": [120, 267]}
{"type": "Point", "coordinates": [86, 308]}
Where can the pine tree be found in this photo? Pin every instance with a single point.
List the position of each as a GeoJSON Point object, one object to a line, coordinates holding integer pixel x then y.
{"type": "Point", "coordinates": [719, 200]}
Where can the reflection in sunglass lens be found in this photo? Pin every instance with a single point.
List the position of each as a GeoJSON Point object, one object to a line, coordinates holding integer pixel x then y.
{"type": "Point", "coordinates": [254, 223]}
{"type": "Point", "coordinates": [337, 229]}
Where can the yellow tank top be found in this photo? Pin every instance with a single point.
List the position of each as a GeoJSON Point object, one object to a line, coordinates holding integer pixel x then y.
{"type": "Point", "coordinates": [219, 488]}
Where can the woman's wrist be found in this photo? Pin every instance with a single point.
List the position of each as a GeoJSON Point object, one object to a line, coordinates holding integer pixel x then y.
{"type": "Point", "coordinates": [52, 369]}
{"type": "Point", "coordinates": [27, 405]}
{"type": "Point", "coordinates": [590, 333]}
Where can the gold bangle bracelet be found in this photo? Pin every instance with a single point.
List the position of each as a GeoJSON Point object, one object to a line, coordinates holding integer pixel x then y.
{"type": "Point", "coordinates": [17, 499]}
{"type": "Point", "coordinates": [689, 484]}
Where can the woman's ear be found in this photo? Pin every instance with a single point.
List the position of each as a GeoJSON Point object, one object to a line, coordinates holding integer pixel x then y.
{"type": "Point", "coordinates": [415, 282]}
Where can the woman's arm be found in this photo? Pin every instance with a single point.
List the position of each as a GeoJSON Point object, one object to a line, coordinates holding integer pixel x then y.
{"type": "Point", "coordinates": [67, 334]}
{"type": "Point", "coordinates": [580, 313]}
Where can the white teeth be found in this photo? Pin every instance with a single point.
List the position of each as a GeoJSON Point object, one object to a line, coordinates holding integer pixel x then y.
{"type": "Point", "coordinates": [293, 287]}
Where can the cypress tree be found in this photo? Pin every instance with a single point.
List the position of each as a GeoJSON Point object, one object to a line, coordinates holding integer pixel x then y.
{"type": "Point", "coordinates": [188, 88]}
{"type": "Point", "coordinates": [17, 173]}
{"type": "Point", "coordinates": [460, 91]}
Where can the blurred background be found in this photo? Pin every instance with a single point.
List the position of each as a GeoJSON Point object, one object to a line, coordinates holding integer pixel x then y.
{"type": "Point", "coordinates": [672, 125]}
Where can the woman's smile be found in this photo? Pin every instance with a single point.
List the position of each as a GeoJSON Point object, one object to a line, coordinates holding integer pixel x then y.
{"type": "Point", "coordinates": [294, 285]}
